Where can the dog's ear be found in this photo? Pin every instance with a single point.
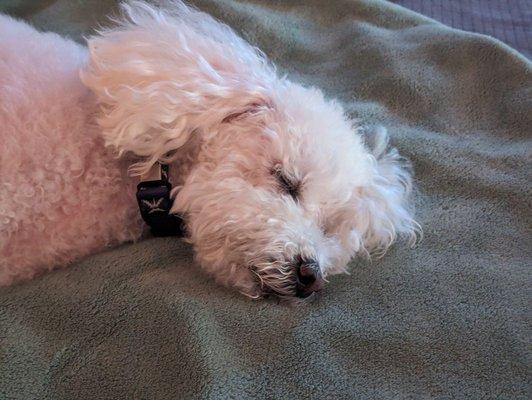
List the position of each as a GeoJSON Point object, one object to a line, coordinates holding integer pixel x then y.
{"type": "Point", "coordinates": [161, 76]}
{"type": "Point", "coordinates": [382, 207]}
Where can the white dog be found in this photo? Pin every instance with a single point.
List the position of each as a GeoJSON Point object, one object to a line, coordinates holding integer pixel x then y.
{"type": "Point", "coordinates": [275, 184]}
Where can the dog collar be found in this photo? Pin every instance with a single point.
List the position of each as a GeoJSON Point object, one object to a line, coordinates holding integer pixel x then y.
{"type": "Point", "coordinates": [153, 198]}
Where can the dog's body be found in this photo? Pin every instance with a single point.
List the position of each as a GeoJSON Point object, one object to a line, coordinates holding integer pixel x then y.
{"type": "Point", "coordinates": [62, 194]}
{"type": "Point", "coordinates": [276, 186]}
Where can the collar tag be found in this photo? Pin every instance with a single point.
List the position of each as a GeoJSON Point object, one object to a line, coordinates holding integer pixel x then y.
{"type": "Point", "coordinates": [153, 198]}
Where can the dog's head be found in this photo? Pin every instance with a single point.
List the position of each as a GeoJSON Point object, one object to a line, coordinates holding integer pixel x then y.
{"type": "Point", "coordinates": [282, 191]}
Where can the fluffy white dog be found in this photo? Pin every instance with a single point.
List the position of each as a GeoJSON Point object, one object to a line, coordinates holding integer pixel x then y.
{"type": "Point", "coordinates": [275, 184]}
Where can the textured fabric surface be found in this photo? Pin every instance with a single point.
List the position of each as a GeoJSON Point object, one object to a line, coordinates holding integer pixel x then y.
{"type": "Point", "coordinates": [449, 319]}
{"type": "Point", "coordinates": [506, 20]}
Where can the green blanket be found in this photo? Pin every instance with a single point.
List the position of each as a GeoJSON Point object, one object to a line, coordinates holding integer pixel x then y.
{"type": "Point", "coordinates": [449, 319]}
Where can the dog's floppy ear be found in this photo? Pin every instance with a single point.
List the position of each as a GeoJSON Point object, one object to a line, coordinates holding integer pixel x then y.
{"type": "Point", "coordinates": [161, 76]}
{"type": "Point", "coordinates": [382, 206]}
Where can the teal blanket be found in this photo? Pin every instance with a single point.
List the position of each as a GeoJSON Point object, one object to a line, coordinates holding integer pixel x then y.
{"type": "Point", "coordinates": [449, 319]}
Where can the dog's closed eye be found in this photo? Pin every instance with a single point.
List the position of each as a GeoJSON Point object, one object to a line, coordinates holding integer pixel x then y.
{"type": "Point", "coordinates": [287, 184]}
{"type": "Point", "coordinates": [253, 108]}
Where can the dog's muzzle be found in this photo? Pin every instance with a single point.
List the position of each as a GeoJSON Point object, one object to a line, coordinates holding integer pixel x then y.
{"type": "Point", "coordinates": [308, 278]}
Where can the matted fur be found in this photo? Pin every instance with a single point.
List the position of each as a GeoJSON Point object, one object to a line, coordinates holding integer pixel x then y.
{"type": "Point", "coordinates": [176, 86]}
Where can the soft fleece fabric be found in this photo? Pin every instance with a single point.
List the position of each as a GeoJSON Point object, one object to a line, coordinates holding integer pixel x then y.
{"type": "Point", "coordinates": [449, 319]}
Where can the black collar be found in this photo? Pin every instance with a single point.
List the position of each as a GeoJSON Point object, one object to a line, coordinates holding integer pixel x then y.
{"type": "Point", "coordinates": [153, 197]}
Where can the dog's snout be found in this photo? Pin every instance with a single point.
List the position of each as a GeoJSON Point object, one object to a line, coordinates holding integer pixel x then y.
{"type": "Point", "coordinates": [309, 279]}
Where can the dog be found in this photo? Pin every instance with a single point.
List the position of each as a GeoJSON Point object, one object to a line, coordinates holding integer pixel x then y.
{"type": "Point", "coordinates": [276, 186]}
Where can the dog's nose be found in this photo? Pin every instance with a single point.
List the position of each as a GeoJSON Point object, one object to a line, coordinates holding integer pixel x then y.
{"type": "Point", "coordinates": [309, 279]}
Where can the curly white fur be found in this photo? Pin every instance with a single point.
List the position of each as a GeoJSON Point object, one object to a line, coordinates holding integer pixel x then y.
{"type": "Point", "coordinates": [176, 86]}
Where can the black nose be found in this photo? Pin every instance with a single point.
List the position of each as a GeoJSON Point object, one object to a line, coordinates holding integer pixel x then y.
{"type": "Point", "coordinates": [309, 279]}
